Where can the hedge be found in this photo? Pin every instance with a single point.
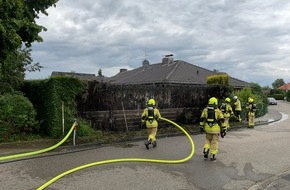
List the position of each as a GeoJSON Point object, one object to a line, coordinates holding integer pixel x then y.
{"type": "Point", "coordinates": [48, 96]}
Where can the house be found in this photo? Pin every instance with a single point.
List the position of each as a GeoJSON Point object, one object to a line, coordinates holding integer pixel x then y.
{"type": "Point", "coordinates": [285, 87]}
{"type": "Point", "coordinates": [82, 76]}
{"type": "Point", "coordinates": [169, 71]}
{"type": "Point", "coordinates": [178, 87]}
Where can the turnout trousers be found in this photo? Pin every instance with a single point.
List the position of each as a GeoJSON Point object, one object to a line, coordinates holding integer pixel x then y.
{"type": "Point", "coordinates": [211, 143]}
{"type": "Point", "coordinates": [152, 131]}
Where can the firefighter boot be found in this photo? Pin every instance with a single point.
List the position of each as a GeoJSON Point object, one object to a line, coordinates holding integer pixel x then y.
{"type": "Point", "coordinates": [147, 143]}
{"type": "Point", "coordinates": [213, 157]}
{"type": "Point", "coordinates": [205, 153]}
{"type": "Point", "coordinates": [154, 144]}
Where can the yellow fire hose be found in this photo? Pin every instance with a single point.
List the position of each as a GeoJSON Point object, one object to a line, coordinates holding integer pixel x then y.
{"type": "Point", "coordinates": [100, 162]}
{"type": "Point", "coordinates": [39, 151]}
{"type": "Point", "coordinates": [126, 160]}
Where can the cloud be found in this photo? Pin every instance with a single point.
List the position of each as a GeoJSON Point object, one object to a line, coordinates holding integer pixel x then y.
{"type": "Point", "coordinates": [247, 39]}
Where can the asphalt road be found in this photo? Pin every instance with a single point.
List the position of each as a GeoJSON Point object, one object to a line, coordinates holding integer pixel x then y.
{"type": "Point", "coordinates": [248, 159]}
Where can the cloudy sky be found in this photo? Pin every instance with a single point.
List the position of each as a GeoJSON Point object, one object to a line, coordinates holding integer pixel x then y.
{"type": "Point", "coordinates": [248, 39]}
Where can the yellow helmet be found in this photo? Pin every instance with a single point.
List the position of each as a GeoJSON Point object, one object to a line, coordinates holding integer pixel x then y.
{"type": "Point", "coordinates": [213, 101]}
{"type": "Point", "coordinates": [250, 100]}
{"type": "Point", "coordinates": [151, 102]}
{"type": "Point", "coordinates": [228, 100]}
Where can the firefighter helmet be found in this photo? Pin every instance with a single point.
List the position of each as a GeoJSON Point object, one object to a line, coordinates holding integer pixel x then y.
{"type": "Point", "coordinates": [213, 101]}
{"type": "Point", "coordinates": [250, 100]}
{"type": "Point", "coordinates": [228, 100]}
{"type": "Point", "coordinates": [151, 102]}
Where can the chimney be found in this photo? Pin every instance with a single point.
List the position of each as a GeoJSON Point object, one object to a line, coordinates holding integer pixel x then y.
{"type": "Point", "coordinates": [123, 70]}
{"type": "Point", "coordinates": [167, 59]}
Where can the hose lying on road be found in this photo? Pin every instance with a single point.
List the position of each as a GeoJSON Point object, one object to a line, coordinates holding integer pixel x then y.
{"type": "Point", "coordinates": [127, 160]}
{"type": "Point", "coordinates": [39, 151]}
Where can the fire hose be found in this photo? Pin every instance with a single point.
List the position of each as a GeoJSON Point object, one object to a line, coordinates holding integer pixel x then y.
{"type": "Point", "coordinates": [127, 160]}
{"type": "Point", "coordinates": [104, 161]}
{"type": "Point", "coordinates": [9, 157]}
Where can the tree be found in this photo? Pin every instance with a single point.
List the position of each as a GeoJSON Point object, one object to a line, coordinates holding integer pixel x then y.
{"type": "Point", "coordinates": [266, 89]}
{"type": "Point", "coordinates": [256, 88]}
{"type": "Point", "coordinates": [100, 73]}
{"type": "Point", "coordinates": [12, 71]}
{"type": "Point", "coordinates": [278, 83]}
{"type": "Point", "coordinates": [18, 30]}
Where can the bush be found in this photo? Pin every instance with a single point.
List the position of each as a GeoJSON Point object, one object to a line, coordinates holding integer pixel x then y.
{"type": "Point", "coordinates": [17, 116]}
{"type": "Point", "coordinates": [288, 96]}
{"type": "Point", "coordinates": [84, 128]}
{"type": "Point", "coordinates": [276, 91]}
{"type": "Point", "coordinates": [222, 79]}
{"type": "Point", "coordinates": [279, 96]}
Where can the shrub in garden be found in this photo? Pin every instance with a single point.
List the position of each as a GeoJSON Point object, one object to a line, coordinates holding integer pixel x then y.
{"type": "Point", "coordinates": [17, 116]}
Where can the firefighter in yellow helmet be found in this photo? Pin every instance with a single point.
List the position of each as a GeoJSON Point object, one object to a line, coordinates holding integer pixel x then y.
{"type": "Point", "coordinates": [251, 107]}
{"type": "Point", "coordinates": [227, 110]}
{"type": "Point", "coordinates": [237, 109]}
{"type": "Point", "coordinates": [150, 117]}
{"type": "Point", "coordinates": [212, 123]}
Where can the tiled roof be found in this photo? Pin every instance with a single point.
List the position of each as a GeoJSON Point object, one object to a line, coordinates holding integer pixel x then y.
{"type": "Point", "coordinates": [285, 87]}
{"type": "Point", "coordinates": [83, 76]}
{"type": "Point", "coordinates": [176, 72]}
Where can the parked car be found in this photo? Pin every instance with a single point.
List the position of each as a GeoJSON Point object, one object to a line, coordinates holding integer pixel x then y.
{"type": "Point", "coordinates": [272, 101]}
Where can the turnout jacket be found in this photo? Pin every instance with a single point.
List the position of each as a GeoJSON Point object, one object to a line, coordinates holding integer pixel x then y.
{"type": "Point", "coordinates": [211, 120]}
{"type": "Point", "coordinates": [150, 117]}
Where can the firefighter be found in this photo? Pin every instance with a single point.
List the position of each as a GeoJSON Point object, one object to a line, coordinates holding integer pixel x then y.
{"type": "Point", "coordinates": [237, 109]}
{"type": "Point", "coordinates": [212, 123]}
{"type": "Point", "coordinates": [227, 110]}
{"type": "Point", "coordinates": [150, 117]}
{"type": "Point", "coordinates": [251, 107]}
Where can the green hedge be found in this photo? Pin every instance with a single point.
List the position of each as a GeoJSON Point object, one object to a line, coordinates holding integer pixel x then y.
{"type": "Point", "coordinates": [48, 96]}
{"type": "Point", "coordinates": [222, 79]}
{"type": "Point", "coordinates": [279, 96]}
{"type": "Point", "coordinates": [288, 96]}
{"type": "Point", "coordinates": [17, 116]}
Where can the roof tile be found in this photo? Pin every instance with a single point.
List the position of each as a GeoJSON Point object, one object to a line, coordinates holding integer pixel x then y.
{"type": "Point", "coordinates": [177, 72]}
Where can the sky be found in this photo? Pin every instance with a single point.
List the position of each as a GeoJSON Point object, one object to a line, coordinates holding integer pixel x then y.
{"type": "Point", "coordinates": [248, 39]}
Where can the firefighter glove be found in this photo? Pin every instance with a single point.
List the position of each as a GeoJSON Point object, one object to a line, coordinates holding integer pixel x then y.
{"type": "Point", "coordinates": [223, 132]}
{"type": "Point", "coordinates": [143, 125]}
{"type": "Point", "coordinates": [201, 129]}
